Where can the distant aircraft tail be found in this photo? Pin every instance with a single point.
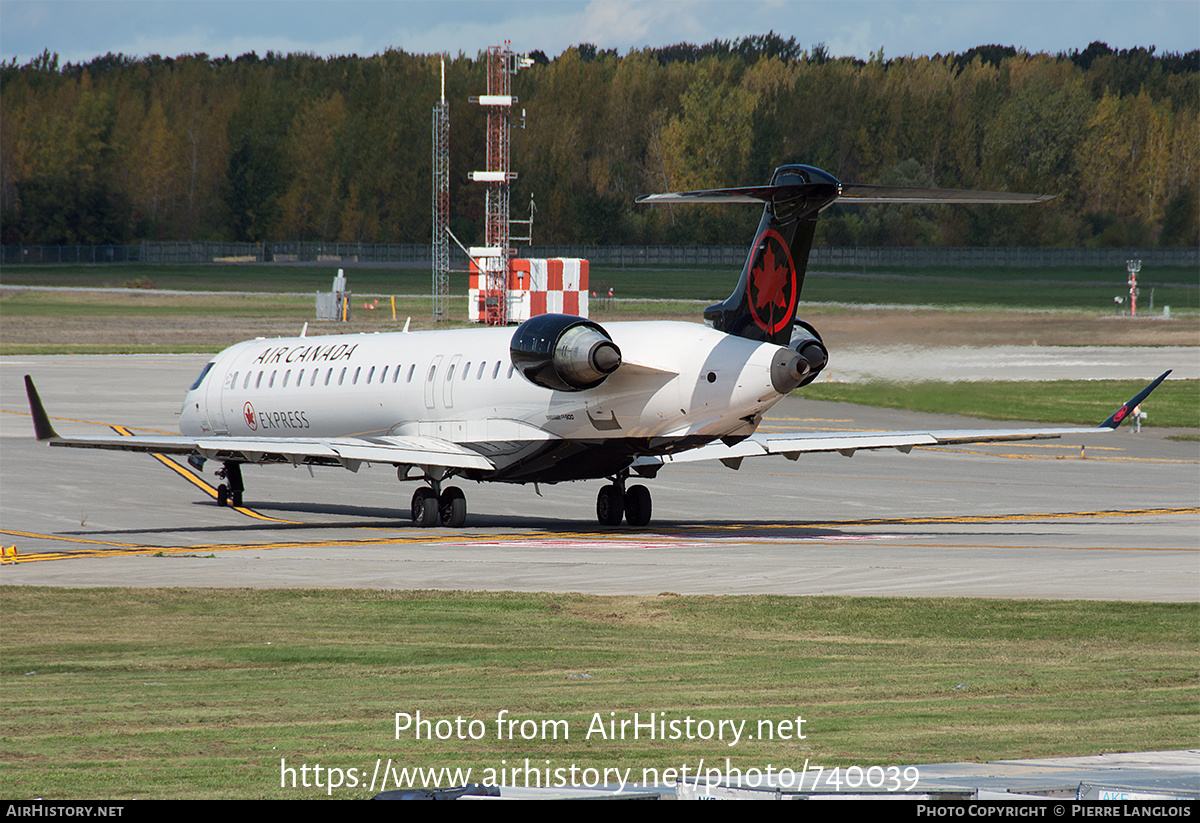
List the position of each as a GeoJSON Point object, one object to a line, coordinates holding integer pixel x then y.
{"type": "Point", "coordinates": [763, 306]}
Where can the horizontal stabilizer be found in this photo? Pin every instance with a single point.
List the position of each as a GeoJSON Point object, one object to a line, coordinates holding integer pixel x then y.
{"type": "Point", "coordinates": [747, 194]}
{"type": "Point", "coordinates": [860, 194]}
{"type": "Point", "coordinates": [852, 193]}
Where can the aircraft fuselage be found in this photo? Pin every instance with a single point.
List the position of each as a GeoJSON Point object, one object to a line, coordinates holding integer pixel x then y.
{"type": "Point", "coordinates": [680, 385]}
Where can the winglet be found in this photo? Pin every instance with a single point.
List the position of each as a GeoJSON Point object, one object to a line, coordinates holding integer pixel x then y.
{"type": "Point", "coordinates": [41, 421]}
{"type": "Point", "coordinates": [1121, 413]}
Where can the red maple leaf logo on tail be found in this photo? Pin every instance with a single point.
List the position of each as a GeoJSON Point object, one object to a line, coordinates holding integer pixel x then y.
{"type": "Point", "coordinates": [772, 284]}
{"type": "Point", "coordinates": [770, 276]}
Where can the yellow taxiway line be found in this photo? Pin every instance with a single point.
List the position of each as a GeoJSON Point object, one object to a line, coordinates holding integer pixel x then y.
{"type": "Point", "coordinates": [682, 536]}
{"type": "Point", "coordinates": [200, 483]}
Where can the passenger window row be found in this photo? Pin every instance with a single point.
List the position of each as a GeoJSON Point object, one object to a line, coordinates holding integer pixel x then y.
{"type": "Point", "coordinates": [286, 380]}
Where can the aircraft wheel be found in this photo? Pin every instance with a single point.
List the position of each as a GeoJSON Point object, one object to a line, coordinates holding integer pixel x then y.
{"type": "Point", "coordinates": [222, 495]}
{"type": "Point", "coordinates": [232, 472]}
{"type": "Point", "coordinates": [453, 508]}
{"type": "Point", "coordinates": [610, 506]}
{"type": "Point", "coordinates": [637, 506]}
{"type": "Point", "coordinates": [424, 508]}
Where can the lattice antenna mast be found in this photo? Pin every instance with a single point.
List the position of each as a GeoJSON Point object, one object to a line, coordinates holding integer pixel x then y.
{"type": "Point", "coordinates": [441, 205]}
{"type": "Point", "coordinates": [493, 258]}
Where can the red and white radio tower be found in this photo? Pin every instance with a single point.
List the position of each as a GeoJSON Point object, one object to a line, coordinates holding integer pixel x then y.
{"type": "Point", "coordinates": [493, 257]}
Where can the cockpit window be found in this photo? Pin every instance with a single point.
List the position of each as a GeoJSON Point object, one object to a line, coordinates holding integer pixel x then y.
{"type": "Point", "coordinates": [200, 379]}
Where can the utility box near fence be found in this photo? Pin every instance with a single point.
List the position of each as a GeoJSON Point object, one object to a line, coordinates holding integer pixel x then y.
{"type": "Point", "coordinates": [535, 286]}
{"type": "Point", "coordinates": [334, 305]}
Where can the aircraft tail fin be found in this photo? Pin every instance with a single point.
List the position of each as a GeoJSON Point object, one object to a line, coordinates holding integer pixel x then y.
{"type": "Point", "coordinates": [763, 306]}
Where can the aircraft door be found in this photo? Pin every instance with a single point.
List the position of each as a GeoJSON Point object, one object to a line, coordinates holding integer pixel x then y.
{"type": "Point", "coordinates": [215, 390]}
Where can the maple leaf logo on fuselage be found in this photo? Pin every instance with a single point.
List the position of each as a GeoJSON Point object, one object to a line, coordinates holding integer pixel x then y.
{"type": "Point", "coordinates": [772, 283]}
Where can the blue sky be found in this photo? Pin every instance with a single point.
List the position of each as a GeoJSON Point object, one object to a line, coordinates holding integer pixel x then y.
{"type": "Point", "coordinates": [79, 30]}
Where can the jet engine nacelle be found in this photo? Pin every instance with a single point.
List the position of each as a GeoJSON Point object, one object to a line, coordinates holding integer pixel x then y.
{"type": "Point", "coordinates": [807, 343]}
{"type": "Point", "coordinates": [563, 352]}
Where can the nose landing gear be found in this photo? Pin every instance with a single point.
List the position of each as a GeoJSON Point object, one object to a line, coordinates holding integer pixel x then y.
{"type": "Point", "coordinates": [230, 494]}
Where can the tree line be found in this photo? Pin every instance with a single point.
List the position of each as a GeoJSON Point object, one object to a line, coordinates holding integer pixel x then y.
{"type": "Point", "coordinates": [297, 147]}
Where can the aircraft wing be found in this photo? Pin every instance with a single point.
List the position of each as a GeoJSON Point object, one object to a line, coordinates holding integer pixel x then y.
{"type": "Point", "coordinates": [847, 443]}
{"type": "Point", "coordinates": [347, 452]}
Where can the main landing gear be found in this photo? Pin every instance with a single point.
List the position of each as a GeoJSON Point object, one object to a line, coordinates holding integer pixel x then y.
{"type": "Point", "coordinates": [432, 505]}
{"type": "Point", "coordinates": [429, 506]}
{"type": "Point", "coordinates": [230, 494]}
{"type": "Point", "coordinates": [615, 501]}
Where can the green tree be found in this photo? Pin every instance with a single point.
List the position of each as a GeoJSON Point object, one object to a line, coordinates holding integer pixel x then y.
{"type": "Point", "coordinates": [309, 204]}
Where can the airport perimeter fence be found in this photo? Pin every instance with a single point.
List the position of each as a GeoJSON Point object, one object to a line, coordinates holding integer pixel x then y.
{"type": "Point", "coordinates": [418, 254]}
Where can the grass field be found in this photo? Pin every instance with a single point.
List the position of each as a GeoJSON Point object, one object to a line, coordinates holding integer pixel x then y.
{"type": "Point", "coordinates": [79, 319]}
{"type": "Point", "coordinates": [121, 693]}
{"type": "Point", "coordinates": [1052, 288]}
{"type": "Point", "coordinates": [95, 322]}
{"type": "Point", "coordinates": [1175, 403]}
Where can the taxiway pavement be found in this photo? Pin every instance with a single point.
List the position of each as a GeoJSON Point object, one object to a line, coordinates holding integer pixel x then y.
{"type": "Point", "coordinates": [1035, 520]}
{"type": "Point", "coordinates": [1022, 363]}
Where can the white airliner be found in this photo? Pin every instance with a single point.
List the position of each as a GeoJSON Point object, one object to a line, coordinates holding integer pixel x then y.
{"type": "Point", "coordinates": [560, 397]}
